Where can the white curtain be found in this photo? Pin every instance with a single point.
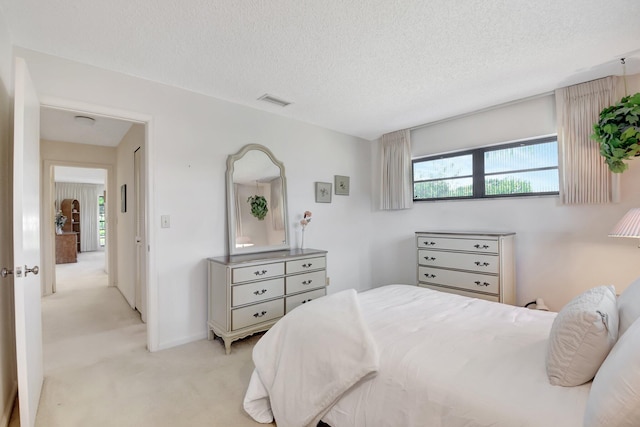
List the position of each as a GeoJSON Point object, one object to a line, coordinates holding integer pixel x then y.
{"type": "Point", "coordinates": [396, 188]}
{"type": "Point", "coordinates": [584, 176]}
{"type": "Point", "coordinates": [87, 196]}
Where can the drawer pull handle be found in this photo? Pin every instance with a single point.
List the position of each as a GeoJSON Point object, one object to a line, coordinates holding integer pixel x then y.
{"type": "Point", "coordinates": [482, 264]}
{"type": "Point", "coordinates": [306, 301]}
{"type": "Point", "coordinates": [481, 247]}
{"type": "Point", "coordinates": [260, 314]}
{"type": "Point", "coordinates": [479, 283]}
{"type": "Point", "coordinates": [430, 258]}
{"type": "Point", "coordinates": [260, 273]}
{"type": "Point", "coordinates": [307, 282]}
{"type": "Point", "coordinates": [307, 265]}
{"type": "Point", "coordinates": [260, 292]}
{"type": "Point", "coordinates": [429, 243]}
{"type": "Point", "coordinates": [430, 276]}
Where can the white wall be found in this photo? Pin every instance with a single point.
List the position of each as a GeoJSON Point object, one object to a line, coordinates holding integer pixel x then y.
{"type": "Point", "coordinates": [8, 385]}
{"type": "Point", "coordinates": [191, 137]}
{"type": "Point", "coordinates": [560, 250]}
{"type": "Point", "coordinates": [126, 224]}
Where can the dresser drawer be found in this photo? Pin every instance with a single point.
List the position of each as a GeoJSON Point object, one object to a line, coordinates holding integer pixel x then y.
{"type": "Point", "coordinates": [307, 264]}
{"type": "Point", "coordinates": [258, 313]}
{"type": "Point", "coordinates": [256, 291]}
{"type": "Point", "coordinates": [468, 244]}
{"type": "Point", "coordinates": [474, 262]}
{"type": "Point", "coordinates": [262, 271]}
{"type": "Point", "coordinates": [460, 279]}
{"type": "Point", "coordinates": [305, 282]}
{"type": "Point", "coordinates": [461, 292]}
{"type": "Point", "coordinates": [299, 299]}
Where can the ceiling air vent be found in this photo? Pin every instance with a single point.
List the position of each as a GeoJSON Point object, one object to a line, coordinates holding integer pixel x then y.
{"type": "Point", "coordinates": [272, 99]}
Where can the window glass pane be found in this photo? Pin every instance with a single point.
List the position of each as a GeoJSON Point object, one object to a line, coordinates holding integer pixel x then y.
{"type": "Point", "coordinates": [457, 187]}
{"type": "Point", "coordinates": [521, 157]}
{"type": "Point", "coordinates": [544, 181]}
{"type": "Point", "coordinates": [447, 167]}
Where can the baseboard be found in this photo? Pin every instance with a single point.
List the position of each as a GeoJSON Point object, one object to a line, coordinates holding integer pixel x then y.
{"type": "Point", "coordinates": [187, 340]}
{"type": "Point", "coordinates": [8, 405]}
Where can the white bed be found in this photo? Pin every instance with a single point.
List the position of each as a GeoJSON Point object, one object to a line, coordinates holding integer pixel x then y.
{"type": "Point", "coordinates": [433, 359]}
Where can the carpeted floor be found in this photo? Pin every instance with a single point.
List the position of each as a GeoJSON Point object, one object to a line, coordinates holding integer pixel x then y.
{"type": "Point", "coordinates": [99, 373]}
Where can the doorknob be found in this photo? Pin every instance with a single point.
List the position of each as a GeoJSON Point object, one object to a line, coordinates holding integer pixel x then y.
{"type": "Point", "coordinates": [5, 272]}
{"type": "Point", "coordinates": [33, 270]}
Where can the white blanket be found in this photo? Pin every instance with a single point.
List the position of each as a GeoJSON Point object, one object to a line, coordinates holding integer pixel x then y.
{"type": "Point", "coordinates": [447, 360]}
{"type": "Point", "coordinates": [310, 358]}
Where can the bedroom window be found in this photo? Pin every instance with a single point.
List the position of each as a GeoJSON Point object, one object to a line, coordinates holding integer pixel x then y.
{"type": "Point", "coordinates": [524, 168]}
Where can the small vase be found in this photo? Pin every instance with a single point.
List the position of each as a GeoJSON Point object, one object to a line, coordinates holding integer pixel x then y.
{"type": "Point", "coordinates": [58, 229]}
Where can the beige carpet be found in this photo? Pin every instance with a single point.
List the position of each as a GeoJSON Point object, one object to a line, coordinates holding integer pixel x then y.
{"type": "Point", "coordinates": [99, 373]}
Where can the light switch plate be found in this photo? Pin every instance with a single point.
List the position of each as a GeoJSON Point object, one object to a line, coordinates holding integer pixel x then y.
{"type": "Point", "coordinates": [165, 221]}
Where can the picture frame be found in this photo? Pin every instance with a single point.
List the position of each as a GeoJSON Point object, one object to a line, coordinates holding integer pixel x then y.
{"type": "Point", "coordinates": [123, 198]}
{"type": "Point", "coordinates": [341, 185]}
{"type": "Point", "coordinates": [323, 192]}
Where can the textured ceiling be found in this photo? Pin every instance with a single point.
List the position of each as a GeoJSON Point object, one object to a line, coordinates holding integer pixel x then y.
{"type": "Point", "coordinates": [362, 67]}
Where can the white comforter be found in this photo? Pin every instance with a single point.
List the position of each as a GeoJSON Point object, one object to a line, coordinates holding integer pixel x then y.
{"type": "Point", "coordinates": [452, 361]}
{"type": "Point", "coordinates": [444, 360]}
{"type": "Point", "coordinates": [307, 360]}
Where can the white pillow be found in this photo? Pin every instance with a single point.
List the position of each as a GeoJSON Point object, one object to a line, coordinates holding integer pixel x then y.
{"type": "Point", "coordinates": [629, 306]}
{"type": "Point", "coordinates": [581, 336]}
{"type": "Point", "coordinates": [614, 399]}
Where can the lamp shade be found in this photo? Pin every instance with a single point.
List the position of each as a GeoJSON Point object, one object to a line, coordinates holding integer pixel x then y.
{"type": "Point", "coordinates": [628, 226]}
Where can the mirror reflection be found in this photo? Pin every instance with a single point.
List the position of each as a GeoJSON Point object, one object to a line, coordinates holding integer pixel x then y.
{"type": "Point", "coordinates": [257, 201]}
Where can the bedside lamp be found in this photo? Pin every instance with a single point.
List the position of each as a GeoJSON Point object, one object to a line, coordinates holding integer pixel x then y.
{"type": "Point", "coordinates": [628, 226]}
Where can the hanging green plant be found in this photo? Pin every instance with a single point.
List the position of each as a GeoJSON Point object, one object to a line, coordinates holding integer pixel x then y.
{"type": "Point", "coordinates": [258, 206]}
{"type": "Point", "coordinates": [618, 132]}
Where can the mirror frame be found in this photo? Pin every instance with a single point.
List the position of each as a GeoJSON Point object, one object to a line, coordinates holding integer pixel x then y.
{"type": "Point", "coordinates": [231, 197]}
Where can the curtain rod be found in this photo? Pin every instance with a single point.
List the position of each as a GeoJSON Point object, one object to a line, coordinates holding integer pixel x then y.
{"type": "Point", "coordinates": [482, 110]}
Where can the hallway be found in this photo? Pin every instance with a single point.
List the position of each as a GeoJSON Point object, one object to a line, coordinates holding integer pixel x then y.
{"type": "Point", "coordinates": [98, 372]}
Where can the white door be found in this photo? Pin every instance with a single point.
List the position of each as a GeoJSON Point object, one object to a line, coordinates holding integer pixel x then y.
{"type": "Point", "coordinates": [139, 196]}
{"type": "Point", "coordinates": [26, 244]}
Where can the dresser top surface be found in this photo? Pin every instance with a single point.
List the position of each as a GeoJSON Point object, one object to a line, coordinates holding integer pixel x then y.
{"type": "Point", "coordinates": [266, 256]}
{"type": "Point", "coordinates": [467, 233]}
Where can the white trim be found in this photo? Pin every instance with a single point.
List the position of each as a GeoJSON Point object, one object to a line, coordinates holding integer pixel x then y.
{"type": "Point", "coordinates": [181, 341]}
{"type": "Point", "coordinates": [147, 120]}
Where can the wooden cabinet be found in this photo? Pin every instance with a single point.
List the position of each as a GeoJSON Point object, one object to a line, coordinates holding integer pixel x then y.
{"type": "Point", "coordinates": [71, 209]}
{"type": "Point", "coordinates": [249, 293]}
{"type": "Point", "coordinates": [479, 265]}
{"type": "Point", "coordinates": [66, 248]}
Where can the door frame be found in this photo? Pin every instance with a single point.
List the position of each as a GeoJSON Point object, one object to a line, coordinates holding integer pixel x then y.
{"type": "Point", "coordinates": [48, 241]}
{"type": "Point", "coordinates": [151, 269]}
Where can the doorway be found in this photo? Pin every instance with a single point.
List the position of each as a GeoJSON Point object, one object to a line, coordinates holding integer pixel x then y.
{"type": "Point", "coordinates": [80, 240]}
{"type": "Point", "coordinates": [80, 142]}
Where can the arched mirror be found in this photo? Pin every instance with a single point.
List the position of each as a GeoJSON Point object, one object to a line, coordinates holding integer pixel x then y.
{"type": "Point", "coordinates": [256, 201]}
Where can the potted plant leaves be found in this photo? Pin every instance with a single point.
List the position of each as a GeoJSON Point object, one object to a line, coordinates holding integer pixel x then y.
{"type": "Point", "coordinates": [618, 132]}
{"type": "Point", "coordinates": [259, 207]}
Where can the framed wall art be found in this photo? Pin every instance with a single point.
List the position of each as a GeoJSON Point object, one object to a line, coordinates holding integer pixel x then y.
{"type": "Point", "coordinates": [342, 185]}
{"type": "Point", "coordinates": [123, 198]}
{"type": "Point", "coordinates": [323, 192]}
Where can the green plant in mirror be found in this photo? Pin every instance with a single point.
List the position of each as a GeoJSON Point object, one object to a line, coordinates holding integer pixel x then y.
{"type": "Point", "coordinates": [259, 207]}
{"type": "Point", "coordinates": [618, 132]}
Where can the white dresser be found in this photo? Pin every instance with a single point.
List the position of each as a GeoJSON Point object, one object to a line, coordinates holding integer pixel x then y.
{"type": "Point", "coordinates": [248, 293]}
{"type": "Point", "coordinates": [479, 265]}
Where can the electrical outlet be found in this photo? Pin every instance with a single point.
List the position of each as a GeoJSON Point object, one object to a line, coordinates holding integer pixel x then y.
{"type": "Point", "coordinates": [165, 221]}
